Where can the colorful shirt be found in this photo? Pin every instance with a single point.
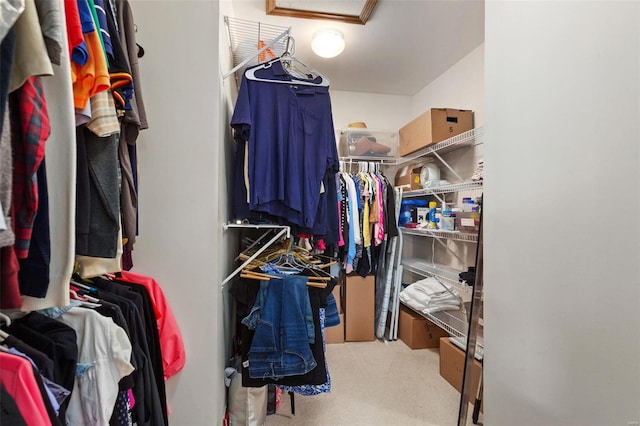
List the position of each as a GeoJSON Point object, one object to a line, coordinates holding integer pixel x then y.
{"type": "Point", "coordinates": [31, 126]}
{"type": "Point", "coordinates": [171, 345]}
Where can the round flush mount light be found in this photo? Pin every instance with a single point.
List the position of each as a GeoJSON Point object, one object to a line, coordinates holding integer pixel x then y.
{"type": "Point", "coordinates": [327, 43]}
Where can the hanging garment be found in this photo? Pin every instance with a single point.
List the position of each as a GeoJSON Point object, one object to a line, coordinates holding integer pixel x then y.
{"type": "Point", "coordinates": [30, 55]}
{"type": "Point", "coordinates": [280, 345]}
{"type": "Point", "coordinates": [291, 144]}
{"type": "Point", "coordinates": [104, 351]}
{"type": "Point", "coordinates": [6, 179]}
{"type": "Point", "coordinates": [171, 344]}
{"type": "Point", "coordinates": [30, 127]}
{"type": "Point", "coordinates": [310, 390]}
{"type": "Point", "coordinates": [17, 378]}
{"type": "Point", "coordinates": [244, 293]}
{"type": "Point", "coordinates": [50, 14]}
{"type": "Point", "coordinates": [9, 412]}
{"type": "Point", "coordinates": [151, 405]}
{"type": "Point", "coordinates": [56, 340]}
{"type": "Point", "coordinates": [60, 152]}
{"type": "Point", "coordinates": [34, 269]}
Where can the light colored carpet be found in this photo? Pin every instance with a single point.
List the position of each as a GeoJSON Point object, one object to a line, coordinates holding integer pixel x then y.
{"type": "Point", "coordinates": [377, 383]}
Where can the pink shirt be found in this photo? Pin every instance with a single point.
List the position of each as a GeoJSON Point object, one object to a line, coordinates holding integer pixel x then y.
{"type": "Point", "coordinates": [171, 345]}
{"type": "Point", "coordinates": [16, 375]}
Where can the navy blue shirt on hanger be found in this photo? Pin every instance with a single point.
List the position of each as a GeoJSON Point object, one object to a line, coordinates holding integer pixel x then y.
{"type": "Point", "coordinates": [291, 144]}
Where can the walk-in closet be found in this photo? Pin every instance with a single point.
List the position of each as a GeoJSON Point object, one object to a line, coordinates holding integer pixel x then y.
{"type": "Point", "coordinates": [210, 220]}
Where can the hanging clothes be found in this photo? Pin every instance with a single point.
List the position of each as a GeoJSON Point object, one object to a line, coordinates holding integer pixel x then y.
{"type": "Point", "coordinates": [287, 155]}
{"type": "Point", "coordinates": [245, 293]}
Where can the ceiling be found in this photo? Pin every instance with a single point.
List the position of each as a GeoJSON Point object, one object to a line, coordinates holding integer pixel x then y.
{"type": "Point", "coordinates": [404, 46]}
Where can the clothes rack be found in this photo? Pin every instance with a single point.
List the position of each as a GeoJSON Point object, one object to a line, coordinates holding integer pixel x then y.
{"type": "Point", "coordinates": [250, 40]}
{"type": "Point", "coordinates": [283, 230]}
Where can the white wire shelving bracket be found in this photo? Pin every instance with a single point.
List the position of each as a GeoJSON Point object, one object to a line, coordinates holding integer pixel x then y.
{"type": "Point", "coordinates": [463, 139]}
{"type": "Point", "coordinates": [453, 322]}
{"type": "Point", "coordinates": [425, 269]}
{"type": "Point", "coordinates": [451, 235]}
{"type": "Point", "coordinates": [444, 189]}
{"type": "Point", "coordinates": [253, 42]}
{"type": "Point", "coordinates": [467, 138]}
{"type": "Point", "coordinates": [281, 231]}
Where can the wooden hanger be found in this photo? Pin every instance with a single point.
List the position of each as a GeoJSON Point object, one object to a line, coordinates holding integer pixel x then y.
{"type": "Point", "coordinates": [319, 282]}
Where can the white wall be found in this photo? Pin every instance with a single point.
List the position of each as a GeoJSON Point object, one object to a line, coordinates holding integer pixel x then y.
{"type": "Point", "coordinates": [562, 298]}
{"type": "Point", "coordinates": [380, 112]}
{"type": "Point", "coordinates": [181, 160]}
{"type": "Point", "coordinates": [460, 87]}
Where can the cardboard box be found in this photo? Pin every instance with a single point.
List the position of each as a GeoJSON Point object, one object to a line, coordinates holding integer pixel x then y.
{"type": "Point", "coordinates": [337, 290]}
{"type": "Point", "coordinates": [433, 126]}
{"type": "Point", "coordinates": [417, 332]}
{"type": "Point", "coordinates": [452, 367]}
{"type": "Point", "coordinates": [409, 176]}
{"type": "Point", "coordinates": [335, 334]}
{"type": "Point", "coordinates": [359, 305]}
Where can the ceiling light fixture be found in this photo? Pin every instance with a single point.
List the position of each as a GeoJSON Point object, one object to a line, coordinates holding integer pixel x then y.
{"type": "Point", "coordinates": [327, 43]}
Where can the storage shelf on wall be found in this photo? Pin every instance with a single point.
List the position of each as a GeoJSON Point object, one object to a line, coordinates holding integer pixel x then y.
{"type": "Point", "coordinates": [463, 139]}
{"type": "Point", "coordinates": [444, 189]}
{"type": "Point", "coordinates": [451, 235]}
{"type": "Point", "coordinates": [453, 322]}
{"type": "Point", "coordinates": [445, 274]}
{"type": "Point", "coordinates": [391, 161]}
{"type": "Point", "coordinates": [253, 42]}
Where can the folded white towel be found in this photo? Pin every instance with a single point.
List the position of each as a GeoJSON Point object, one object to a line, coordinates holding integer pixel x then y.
{"type": "Point", "coordinates": [430, 295]}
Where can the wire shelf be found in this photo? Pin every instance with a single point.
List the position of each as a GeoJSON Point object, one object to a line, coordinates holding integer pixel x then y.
{"type": "Point", "coordinates": [388, 161]}
{"type": "Point", "coordinates": [247, 38]}
{"type": "Point", "coordinates": [453, 322]}
{"type": "Point", "coordinates": [451, 235]}
{"type": "Point", "coordinates": [463, 139]}
{"type": "Point", "coordinates": [444, 189]}
{"type": "Point", "coordinates": [447, 275]}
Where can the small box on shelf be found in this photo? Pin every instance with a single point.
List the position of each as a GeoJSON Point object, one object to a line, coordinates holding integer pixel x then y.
{"type": "Point", "coordinates": [468, 221]}
{"type": "Point", "coordinates": [368, 144]}
{"type": "Point", "coordinates": [409, 177]}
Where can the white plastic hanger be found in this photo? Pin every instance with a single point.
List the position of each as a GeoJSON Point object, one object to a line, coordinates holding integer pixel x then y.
{"type": "Point", "coordinates": [251, 74]}
{"type": "Point", "coordinates": [5, 318]}
{"type": "Point", "coordinates": [287, 59]}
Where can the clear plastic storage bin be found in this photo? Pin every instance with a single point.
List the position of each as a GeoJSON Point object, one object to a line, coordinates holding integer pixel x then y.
{"type": "Point", "coordinates": [368, 144]}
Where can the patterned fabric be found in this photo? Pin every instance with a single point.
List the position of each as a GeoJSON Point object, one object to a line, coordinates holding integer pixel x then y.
{"type": "Point", "coordinates": [310, 390]}
{"type": "Point", "coordinates": [122, 411]}
{"type": "Point", "coordinates": [31, 126]}
{"type": "Point", "coordinates": [104, 121]}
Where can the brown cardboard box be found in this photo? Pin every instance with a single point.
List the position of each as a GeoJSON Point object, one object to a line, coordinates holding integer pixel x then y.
{"type": "Point", "coordinates": [336, 294]}
{"type": "Point", "coordinates": [433, 126]}
{"type": "Point", "coordinates": [409, 176]}
{"type": "Point", "coordinates": [452, 367]}
{"type": "Point", "coordinates": [359, 307]}
{"type": "Point", "coordinates": [335, 334]}
{"type": "Point", "coordinates": [417, 332]}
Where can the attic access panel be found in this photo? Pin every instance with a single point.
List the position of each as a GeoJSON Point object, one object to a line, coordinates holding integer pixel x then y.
{"type": "Point", "coordinates": [349, 11]}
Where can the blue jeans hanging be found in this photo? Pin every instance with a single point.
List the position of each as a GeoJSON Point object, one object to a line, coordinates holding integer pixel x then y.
{"type": "Point", "coordinates": [280, 345]}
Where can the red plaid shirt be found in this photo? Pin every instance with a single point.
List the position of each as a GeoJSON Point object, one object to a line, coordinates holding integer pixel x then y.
{"type": "Point", "coordinates": [30, 121]}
